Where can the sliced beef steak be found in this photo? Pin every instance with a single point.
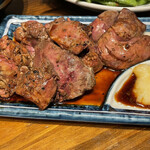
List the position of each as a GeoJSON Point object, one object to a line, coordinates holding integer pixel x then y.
{"type": "Point", "coordinates": [48, 26]}
{"type": "Point", "coordinates": [92, 59]}
{"type": "Point", "coordinates": [69, 35]}
{"type": "Point", "coordinates": [118, 47]}
{"type": "Point", "coordinates": [8, 77]}
{"type": "Point", "coordinates": [29, 34]}
{"type": "Point", "coordinates": [128, 25]}
{"type": "Point", "coordinates": [4, 42]}
{"type": "Point", "coordinates": [102, 23]}
{"type": "Point", "coordinates": [15, 52]}
{"type": "Point", "coordinates": [74, 77]}
{"type": "Point", "coordinates": [119, 54]}
{"type": "Point", "coordinates": [37, 84]}
{"type": "Point", "coordinates": [32, 78]}
{"type": "Point", "coordinates": [31, 29]}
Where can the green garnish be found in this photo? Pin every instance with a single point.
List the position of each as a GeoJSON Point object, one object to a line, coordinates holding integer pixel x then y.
{"type": "Point", "coordinates": [130, 3]}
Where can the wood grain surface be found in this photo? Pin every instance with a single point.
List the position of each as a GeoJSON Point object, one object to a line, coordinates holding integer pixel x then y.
{"type": "Point", "coordinates": [20, 134]}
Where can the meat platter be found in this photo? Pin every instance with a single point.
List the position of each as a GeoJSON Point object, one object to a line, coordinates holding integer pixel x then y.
{"type": "Point", "coordinates": [92, 106]}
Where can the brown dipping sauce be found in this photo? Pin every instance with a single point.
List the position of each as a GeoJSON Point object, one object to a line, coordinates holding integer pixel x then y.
{"type": "Point", "coordinates": [126, 96]}
{"type": "Point", "coordinates": [96, 97]}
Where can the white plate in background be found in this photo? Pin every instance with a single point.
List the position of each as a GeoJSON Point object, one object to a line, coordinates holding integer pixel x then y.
{"type": "Point", "coordinates": [98, 7]}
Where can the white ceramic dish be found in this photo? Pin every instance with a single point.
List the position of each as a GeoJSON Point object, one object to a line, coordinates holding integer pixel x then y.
{"type": "Point", "coordinates": [117, 85]}
{"type": "Point", "coordinates": [98, 7]}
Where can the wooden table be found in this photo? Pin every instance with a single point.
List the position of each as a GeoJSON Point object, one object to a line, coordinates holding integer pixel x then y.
{"type": "Point", "coordinates": [20, 134]}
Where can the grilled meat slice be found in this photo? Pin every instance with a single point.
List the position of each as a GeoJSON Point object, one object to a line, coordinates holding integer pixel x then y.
{"type": "Point", "coordinates": [31, 29]}
{"type": "Point", "coordinates": [34, 79]}
{"type": "Point", "coordinates": [31, 41]}
{"type": "Point", "coordinates": [4, 42]}
{"type": "Point", "coordinates": [38, 83]}
{"type": "Point", "coordinates": [69, 35]}
{"type": "Point", "coordinates": [19, 54]}
{"type": "Point", "coordinates": [119, 54]}
{"type": "Point", "coordinates": [142, 49]}
{"type": "Point", "coordinates": [117, 45]}
{"type": "Point", "coordinates": [8, 77]}
{"type": "Point", "coordinates": [102, 23]}
{"type": "Point", "coordinates": [29, 34]}
{"type": "Point", "coordinates": [48, 26]}
{"type": "Point", "coordinates": [128, 25]}
{"type": "Point", "coordinates": [15, 52]}
{"type": "Point", "coordinates": [74, 77]}
{"type": "Point", "coordinates": [92, 59]}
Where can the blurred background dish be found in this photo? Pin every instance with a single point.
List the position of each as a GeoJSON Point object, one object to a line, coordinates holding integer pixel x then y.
{"type": "Point", "coordinates": [4, 3]}
{"type": "Point", "coordinates": [97, 7]}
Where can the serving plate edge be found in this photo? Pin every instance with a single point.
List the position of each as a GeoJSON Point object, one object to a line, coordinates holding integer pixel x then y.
{"type": "Point", "coordinates": [104, 115]}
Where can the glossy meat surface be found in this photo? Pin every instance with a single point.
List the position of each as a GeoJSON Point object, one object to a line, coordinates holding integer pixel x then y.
{"type": "Point", "coordinates": [8, 77]}
{"type": "Point", "coordinates": [102, 23]}
{"type": "Point", "coordinates": [120, 47]}
{"type": "Point", "coordinates": [74, 77]}
{"type": "Point", "coordinates": [69, 35]}
{"type": "Point", "coordinates": [30, 78]}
